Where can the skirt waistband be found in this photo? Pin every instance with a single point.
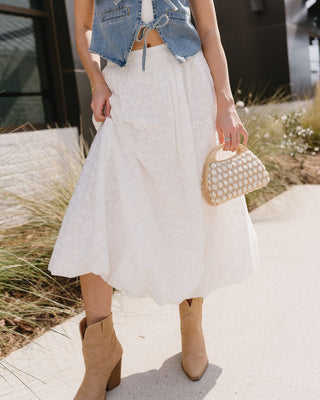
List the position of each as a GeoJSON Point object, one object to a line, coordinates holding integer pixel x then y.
{"type": "Point", "coordinates": [154, 54]}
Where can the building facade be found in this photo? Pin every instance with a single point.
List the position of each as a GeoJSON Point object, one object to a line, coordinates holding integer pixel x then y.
{"type": "Point", "coordinates": [42, 80]}
{"type": "Point", "coordinates": [268, 43]}
{"type": "Point", "coordinates": [271, 44]}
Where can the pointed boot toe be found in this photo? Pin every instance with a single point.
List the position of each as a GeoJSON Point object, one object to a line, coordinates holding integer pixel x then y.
{"type": "Point", "coordinates": [194, 367]}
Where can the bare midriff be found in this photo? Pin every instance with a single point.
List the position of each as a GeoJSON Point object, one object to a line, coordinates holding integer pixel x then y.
{"type": "Point", "coordinates": [153, 39]}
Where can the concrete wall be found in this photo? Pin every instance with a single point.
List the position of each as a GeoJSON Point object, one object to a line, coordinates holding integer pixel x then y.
{"type": "Point", "coordinates": [32, 165]}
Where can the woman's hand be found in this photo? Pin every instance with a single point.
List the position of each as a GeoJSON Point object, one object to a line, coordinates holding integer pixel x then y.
{"type": "Point", "coordinates": [100, 104]}
{"type": "Point", "coordinates": [229, 125]}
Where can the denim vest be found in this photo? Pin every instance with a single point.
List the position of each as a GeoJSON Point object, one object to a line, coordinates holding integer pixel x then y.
{"type": "Point", "coordinates": [117, 23]}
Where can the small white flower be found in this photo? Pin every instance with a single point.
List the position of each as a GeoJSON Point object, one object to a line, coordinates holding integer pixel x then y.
{"type": "Point", "coordinates": [316, 149]}
{"type": "Point", "coordinates": [246, 109]}
{"type": "Point", "coordinates": [240, 104]}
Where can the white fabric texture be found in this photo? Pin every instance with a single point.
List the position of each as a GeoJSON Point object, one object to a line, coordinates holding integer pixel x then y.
{"type": "Point", "coordinates": [146, 11]}
{"type": "Point", "coordinates": [137, 216]}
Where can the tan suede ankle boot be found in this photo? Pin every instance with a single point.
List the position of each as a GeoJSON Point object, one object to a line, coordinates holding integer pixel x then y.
{"type": "Point", "coordinates": [194, 359]}
{"type": "Point", "coordinates": [102, 354]}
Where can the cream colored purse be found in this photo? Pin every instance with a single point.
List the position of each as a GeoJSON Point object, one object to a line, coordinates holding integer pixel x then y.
{"type": "Point", "coordinates": [226, 179]}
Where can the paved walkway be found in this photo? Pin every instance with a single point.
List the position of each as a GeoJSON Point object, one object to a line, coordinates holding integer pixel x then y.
{"type": "Point", "coordinates": [262, 335]}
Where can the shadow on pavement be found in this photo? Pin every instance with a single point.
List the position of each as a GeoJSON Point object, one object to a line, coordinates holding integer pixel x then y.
{"type": "Point", "coordinates": [169, 382]}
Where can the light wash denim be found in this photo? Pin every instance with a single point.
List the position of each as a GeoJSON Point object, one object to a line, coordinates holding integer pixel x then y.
{"type": "Point", "coordinates": [117, 23]}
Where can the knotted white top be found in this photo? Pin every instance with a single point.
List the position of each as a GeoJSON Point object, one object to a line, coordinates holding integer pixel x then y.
{"type": "Point", "coordinates": [146, 11]}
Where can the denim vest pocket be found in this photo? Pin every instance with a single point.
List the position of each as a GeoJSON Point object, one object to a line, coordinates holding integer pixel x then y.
{"type": "Point", "coordinates": [178, 17]}
{"type": "Point", "coordinates": [113, 15]}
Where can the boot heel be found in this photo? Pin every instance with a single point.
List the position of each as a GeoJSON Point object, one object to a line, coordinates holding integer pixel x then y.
{"type": "Point", "coordinates": [115, 377]}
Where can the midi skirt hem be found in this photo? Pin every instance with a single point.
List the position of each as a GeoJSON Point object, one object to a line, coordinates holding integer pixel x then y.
{"type": "Point", "coordinates": [169, 300]}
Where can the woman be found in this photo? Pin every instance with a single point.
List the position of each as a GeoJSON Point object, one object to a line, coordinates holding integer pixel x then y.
{"type": "Point", "coordinates": [137, 220]}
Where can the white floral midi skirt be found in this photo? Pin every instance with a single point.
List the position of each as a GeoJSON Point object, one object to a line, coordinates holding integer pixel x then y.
{"type": "Point", "coordinates": [137, 216]}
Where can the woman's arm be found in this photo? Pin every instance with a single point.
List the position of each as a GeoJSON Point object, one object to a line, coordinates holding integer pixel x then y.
{"type": "Point", "coordinates": [228, 121]}
{"type": "Point", "coordinates": [83, 14]}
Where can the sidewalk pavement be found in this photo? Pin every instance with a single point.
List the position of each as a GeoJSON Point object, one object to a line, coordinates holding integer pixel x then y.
{"type": "Point", "coordinates": [262, 335]}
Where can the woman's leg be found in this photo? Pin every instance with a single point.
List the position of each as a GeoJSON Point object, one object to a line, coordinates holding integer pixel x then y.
{"type": "Point", "coordinates": [101, 348]}
{"type": "Point", "coordinates": [97, 297]}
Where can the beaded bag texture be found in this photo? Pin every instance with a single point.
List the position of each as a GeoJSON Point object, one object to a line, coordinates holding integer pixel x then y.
{"type": "Point", "coordinates": [223, 180]}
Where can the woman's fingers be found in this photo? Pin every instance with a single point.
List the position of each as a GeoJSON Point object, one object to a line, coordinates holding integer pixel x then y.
{"type": "Point", "coordinates": [229, 125]}
{"type": "Point", "coordinates": [234, 135]}
{"type": "Point", "coordinates": [97, 106]}
{"type": "Point", "coordinates": [100, 104]}
{"type": "Point", "coordinates": [108, 107]}
{"type": "Point", "coordinates": [99, 112]}
{"type": "Point", "coordinates": [235, 139]}
{"type": "Point", "coordinates": [245, 134]}
{"type": "Point", "coordinates": [101, 109]}
{"type": "Point", "coordinates": [227, 142]}
{"type": "Point", "coordinates": [230, 140]}
{"type": "Point", "coordinates": [220, 136]}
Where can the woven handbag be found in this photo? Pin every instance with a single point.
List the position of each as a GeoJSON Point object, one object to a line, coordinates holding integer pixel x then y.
{"type": "Point", "coordinates": [223, 180]}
